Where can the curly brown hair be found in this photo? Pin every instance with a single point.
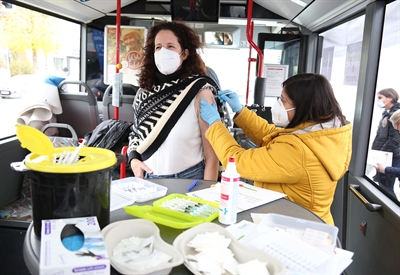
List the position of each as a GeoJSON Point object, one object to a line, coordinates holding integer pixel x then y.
{"type": "Point", "coordinates": [187, 38]}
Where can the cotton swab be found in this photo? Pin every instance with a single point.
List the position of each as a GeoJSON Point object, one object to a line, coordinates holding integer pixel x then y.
{"type": "Point", "coordinates": [61, 157]}
{"type": "Point", "coordinates": [74, 156]}
{"type": "Point", "coordinates": [67, 157]}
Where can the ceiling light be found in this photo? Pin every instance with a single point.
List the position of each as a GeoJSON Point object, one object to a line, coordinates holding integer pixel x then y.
{"type": "Point", "coordinates": [299, 2]}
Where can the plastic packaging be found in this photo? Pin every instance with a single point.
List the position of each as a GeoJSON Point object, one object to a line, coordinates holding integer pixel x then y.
{"type": "Point", "coordinates": [178, 218]}
{"type": "Point", "coordinates": [139, 189]}
{"type": "Point", "coordinates": [299, 227]}
{"type": "Point", "coordinates": [229, 194]}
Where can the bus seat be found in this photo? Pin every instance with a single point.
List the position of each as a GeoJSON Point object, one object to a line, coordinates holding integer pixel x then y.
{"type": "Point", "coordinates": [211, 73]}
{"type": "Point", "coordinates": [227, 120]}
{"type": "Point", "coordinates": [80, 109]}
{"type": "Point", "coordinates": [126, 110]}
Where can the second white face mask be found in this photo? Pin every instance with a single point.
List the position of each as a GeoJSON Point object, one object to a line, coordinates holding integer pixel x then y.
{"type": "Point", "coordinates": [380, 103]}
{"type": "Point", "coordinates": [167, 61]}
{"type": "Point", "coordinates": [279, 114]}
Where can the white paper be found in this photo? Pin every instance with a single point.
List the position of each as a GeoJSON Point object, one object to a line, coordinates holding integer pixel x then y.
{"type": "Point", "coordinates": [249, 195]}
{"type": "Point", "coordinates": [275, 75]}
{"type": "Point", "coordinates": [383, 157]}
{"type": "Point", "coordinates": [243, 231]}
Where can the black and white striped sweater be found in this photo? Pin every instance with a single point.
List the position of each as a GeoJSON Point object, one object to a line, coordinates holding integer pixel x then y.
{"type": "Point", "coordinates": [157, 111]}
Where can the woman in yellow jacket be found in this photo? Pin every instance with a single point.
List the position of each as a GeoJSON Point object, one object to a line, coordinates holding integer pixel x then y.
{"type": "Point", "coordinates": [303, 154]}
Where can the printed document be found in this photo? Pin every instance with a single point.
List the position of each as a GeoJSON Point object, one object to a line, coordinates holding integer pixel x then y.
{"type": "Point", "coordinates": [249, 195]}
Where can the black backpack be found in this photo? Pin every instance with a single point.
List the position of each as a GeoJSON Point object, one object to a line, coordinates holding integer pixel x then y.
{"type": "Point", "coordinates": [110, 134]}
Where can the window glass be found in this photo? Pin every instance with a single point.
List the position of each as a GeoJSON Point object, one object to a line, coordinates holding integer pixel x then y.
{"type": "Point", "coordinates": [95, 62]}
{"type": "Point", "coordinates": [32, 46]}
{"type": "Point", "coordinates": [388, 77]}
{"type": "Point", "coordinates": [231, 68]}
{"type": "Point", "coordinates": [340, 63]}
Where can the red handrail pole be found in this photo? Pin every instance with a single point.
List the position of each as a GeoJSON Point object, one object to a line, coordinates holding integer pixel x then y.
{"type": "Point", "coordinates": [248, 66]}
{"type": "Point", "coordinates": [122, 167]}
{"type": "Point", "coordinates": [117, 45]}
{"type": "Point", "coordinates": [248, 77]}
{"type": "Point", "coordinates": [250, 38]}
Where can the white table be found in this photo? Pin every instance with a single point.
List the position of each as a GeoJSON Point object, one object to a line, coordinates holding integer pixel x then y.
{"type": "Point", "coordinates": [31, 249]}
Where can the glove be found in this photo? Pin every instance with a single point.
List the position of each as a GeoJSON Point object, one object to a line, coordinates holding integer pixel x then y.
{"type": "Point", "coordinates": [208, 112]}
{"type": "Point", "coordinates": [232, 99]}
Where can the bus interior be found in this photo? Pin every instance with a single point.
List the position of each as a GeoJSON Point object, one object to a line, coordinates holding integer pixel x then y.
{"type": "Point", "coordinates": [354, 43]}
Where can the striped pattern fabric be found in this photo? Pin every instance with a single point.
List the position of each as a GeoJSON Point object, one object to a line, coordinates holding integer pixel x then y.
{"type": "Point", "coordinates": [157, 111]}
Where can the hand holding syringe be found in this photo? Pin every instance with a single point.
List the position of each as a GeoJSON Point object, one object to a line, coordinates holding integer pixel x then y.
{"type": "Point", "coordinates": [231, 98]}
{"type": "Point", "coordinates": [227, 93]}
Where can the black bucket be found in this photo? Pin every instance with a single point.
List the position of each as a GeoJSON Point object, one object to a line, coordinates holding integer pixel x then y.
{"type": "Point", "coordinates": [74, 190]}
{"type": "Point", "coordinates": [57, 196]}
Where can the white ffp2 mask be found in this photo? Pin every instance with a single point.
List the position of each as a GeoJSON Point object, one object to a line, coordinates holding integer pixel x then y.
{"type": "Point", "coordinates": [279, 114]}
{"type": "Point", "coordinates": [380, 103]}
{"type": "Point", "coordinates": [167, 61]}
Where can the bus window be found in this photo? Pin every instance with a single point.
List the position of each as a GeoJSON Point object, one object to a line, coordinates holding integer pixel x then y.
{"type": "Point", "coordinates": [33, 46]}
{"type": "Point", "coordinates": [231, 68]}
{"type": "Point", "coordinates": [341, 62]}
{"type": "Point", "coordinates": [388, 77]}
{"type": "Point", "coordinates": [95, 62]}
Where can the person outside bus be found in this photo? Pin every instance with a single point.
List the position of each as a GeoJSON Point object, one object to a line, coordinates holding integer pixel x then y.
{"type": "Point", "coordinates": [391, 170]}
{"type": "Point", "coordinates": [303, 154]}
{"type": "Point", "coordinates": [168, 136]}
{"type": "Point", "coordinates": [387, 137]}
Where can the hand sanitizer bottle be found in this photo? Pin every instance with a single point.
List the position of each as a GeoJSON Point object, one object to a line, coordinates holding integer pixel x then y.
{"type": "Point", "coordinates": [229, 194]}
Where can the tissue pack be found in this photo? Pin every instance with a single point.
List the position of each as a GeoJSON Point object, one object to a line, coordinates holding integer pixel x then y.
{"type": "Point", "coordinates": [73, 246]}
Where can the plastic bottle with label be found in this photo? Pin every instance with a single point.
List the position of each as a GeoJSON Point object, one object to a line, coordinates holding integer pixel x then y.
{"type": "Point", "coordinates": [230, 179]}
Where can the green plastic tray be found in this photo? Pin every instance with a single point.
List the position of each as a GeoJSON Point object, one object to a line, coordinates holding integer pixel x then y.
{"type": "Point", "coordinates": [172, 218]}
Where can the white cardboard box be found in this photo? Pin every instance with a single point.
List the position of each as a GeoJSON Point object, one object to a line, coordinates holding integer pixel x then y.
{"type": "Point", "coordinates": [88, 258]}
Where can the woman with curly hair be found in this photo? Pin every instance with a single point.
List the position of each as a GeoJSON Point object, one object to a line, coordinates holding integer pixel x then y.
{"type": "Point", "coordinates": [168, 136]}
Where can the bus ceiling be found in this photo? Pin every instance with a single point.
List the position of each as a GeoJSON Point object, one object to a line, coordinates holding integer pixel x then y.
{"type": "Point", "coordinates": [309, 14]}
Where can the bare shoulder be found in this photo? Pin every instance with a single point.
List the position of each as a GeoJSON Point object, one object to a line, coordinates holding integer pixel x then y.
{"type": "Point", "coordinates": [205, 94]}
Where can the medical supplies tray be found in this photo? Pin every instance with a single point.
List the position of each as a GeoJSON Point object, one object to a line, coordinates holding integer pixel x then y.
{"type": "Point", "coordinates": [299, 226]}
{"type": "Point", "coordinates": [159, 213]}
{"type": "Point", "coordinates": [142, 190]}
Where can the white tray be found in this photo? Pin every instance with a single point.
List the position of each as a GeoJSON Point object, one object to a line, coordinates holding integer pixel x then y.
{"type": "Point", "coordinates": [129, 190]}
{"type": "Point", "coordinates": [286, 222]}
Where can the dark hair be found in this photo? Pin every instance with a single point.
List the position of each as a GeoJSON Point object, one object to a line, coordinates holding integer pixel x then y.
{"type": "Point", "coordinates": [313, 97]}
{"type": "Point", "coordinates": [187, 38]}
{"type": "Point", "coordinates": [390, 93]}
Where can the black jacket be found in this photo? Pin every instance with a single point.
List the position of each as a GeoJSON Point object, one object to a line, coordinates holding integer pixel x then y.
{"type": "Point", "coordinates": [387, 137]}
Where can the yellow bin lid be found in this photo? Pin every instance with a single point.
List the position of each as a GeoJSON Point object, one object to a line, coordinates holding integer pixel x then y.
{"type": "Point", "coordinates": [91, 159]}
{"type": "Point", "coordinates": [34, 140]}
